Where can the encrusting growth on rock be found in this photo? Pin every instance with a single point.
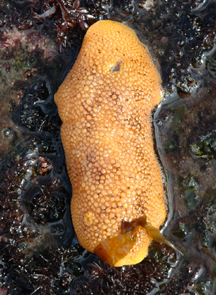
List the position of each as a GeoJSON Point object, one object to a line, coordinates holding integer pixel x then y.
{"type": "Point", "coordinates": [105, 104]}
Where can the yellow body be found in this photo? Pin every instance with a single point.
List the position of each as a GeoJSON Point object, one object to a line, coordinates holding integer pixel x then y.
{"type": "Point", "coordinates": [105, 104]}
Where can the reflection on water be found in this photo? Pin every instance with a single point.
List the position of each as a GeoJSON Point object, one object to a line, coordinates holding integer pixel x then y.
{"type": "Point", "coordinates": [186, 141]}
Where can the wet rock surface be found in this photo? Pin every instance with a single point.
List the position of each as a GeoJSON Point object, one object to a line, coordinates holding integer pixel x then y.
{"type": "Point", "coordinates": [39, 42]}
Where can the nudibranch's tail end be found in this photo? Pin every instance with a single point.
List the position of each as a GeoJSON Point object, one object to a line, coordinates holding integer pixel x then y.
{"type": "Point", "coordinates": [126, 248]}
{"type": "Point", "coordinates": [131, 245]}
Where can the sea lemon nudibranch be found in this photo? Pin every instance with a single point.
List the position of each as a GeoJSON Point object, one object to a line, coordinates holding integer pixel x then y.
{"type": "Point", "coordinates": [105, 104]}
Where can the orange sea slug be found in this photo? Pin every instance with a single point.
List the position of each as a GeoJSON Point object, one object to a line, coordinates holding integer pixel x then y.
{"type": "Point", "coordinates": [105, 104]}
